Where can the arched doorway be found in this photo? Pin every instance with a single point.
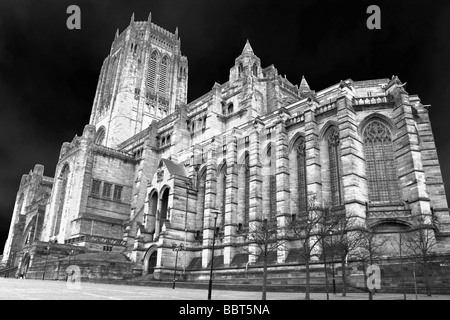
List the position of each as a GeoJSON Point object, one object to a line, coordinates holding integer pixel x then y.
{"type": "Point", "coordinates": [152, 262]}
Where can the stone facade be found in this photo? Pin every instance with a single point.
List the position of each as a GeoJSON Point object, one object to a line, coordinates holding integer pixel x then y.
{"type": "Point", "coordinates": [151, 171]}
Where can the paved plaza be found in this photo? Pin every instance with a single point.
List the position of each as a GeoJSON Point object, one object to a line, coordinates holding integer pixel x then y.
{"type": "Point", "coordinates": [25, 289]}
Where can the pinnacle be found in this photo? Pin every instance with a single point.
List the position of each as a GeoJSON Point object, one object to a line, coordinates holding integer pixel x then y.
{"type": "Point", "coordinates": [132, 18]}
{"type": "Point", "coordinates": [304, 85]}
{"type": "Point", "coordinates": [247, 48]}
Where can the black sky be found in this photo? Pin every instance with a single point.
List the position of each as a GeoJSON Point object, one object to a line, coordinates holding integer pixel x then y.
{"type": "Point", "coordinates": [48, 74]}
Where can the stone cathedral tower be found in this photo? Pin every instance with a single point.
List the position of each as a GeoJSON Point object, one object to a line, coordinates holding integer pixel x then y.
{"type": "Point", "coordinates": [143, 78]}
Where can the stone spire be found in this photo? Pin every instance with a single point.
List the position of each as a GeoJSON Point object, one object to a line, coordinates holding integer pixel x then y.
{"type": "Point", "coordinates": [149, 17]}
{"type": "Point", "coordinates": [247, 48]}
{"type": "Point", "coordinates": [132, 19]}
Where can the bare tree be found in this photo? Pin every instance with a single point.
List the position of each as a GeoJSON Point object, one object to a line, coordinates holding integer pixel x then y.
{"type": "Point", "coordinates": [323, 230]}
{"type": "Point", "coordinates": [420, 244]}
{"type": "Point", "coordinates": [371, 248]}
{"type": "Point", "coordinates": [309, 229]}
{"type": "Point", "coordinates": [264, 237]}
{"type": "Point", "coordinates": [346, 239]}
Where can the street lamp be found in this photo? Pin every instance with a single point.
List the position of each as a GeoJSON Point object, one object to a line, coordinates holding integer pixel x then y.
{"type": "Point", "coordinates": [45, 265]}
{"type": "Point", "coordinates": [176, 248]}
{"type": "Point", "coordinates": [414, 275]}
{"type": "Point", "coordinates": [325, 266]}
{"type": "Point", "coordinates": [332, 263]}
{"type": "Point", "coordinates": [212, 256]}
{"type": "Point", "coordinates": [401, 265]}
{"type": "Point", "coordinates": [188, 186]}
{"type": "Point", "coordinates": [70, 256]}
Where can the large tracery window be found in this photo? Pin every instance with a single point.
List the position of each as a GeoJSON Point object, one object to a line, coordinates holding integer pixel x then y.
{"type": "Point", "coordinates": [221, 220]}
{"type": "Point", "coordinates": [334, 154]}
{"type": "Point", "coordinates": [151, 75]}
{"type": "Point", "coordinates": [201, 202]}
{"type": "Point", "coordinates": [272, 183]}
{"type": "Point", "coordinates": [301, 175]}
{"type": "Point", "coordinates": [380, 162]}
{"type": "Point", "coordinates": [221, 188]}
{"type": "Point", "coordinates": [163, 75]}
{"type": "Point", "coordinates": [63, 177]}
{"type": "Point", "coordinates": [247, 189]}
{"type": "Point", "coordinates": [109, 83]}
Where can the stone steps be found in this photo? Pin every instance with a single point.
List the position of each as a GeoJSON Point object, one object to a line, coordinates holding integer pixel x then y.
{"type": "Point", "coordinates": [289, 283]}
{"type": "Point", "coordinates": [8, 271]}
{"type": "Point", "coordinates": [222, 285]}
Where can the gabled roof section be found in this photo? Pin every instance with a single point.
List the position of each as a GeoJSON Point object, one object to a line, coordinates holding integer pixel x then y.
{"type": "Point", "coordinates": [173, 167]}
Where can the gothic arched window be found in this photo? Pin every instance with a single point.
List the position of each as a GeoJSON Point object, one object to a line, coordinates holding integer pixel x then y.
{"type": "Point", "coordinates": [109, 83]}
{"type": "Point", "coordinates": [230, 108]}
{"type": "Point", "coordinates": [152, 211]}
{"type": "Point", "coordinates": [272, 183]}
{"type": "Point", "coordinates": [163, 75]}
{"type": "Point", "coordinates": [221, 188]}
{"type": "Point", "coordinates": [255, 69]}
{"type": "Point", "coordinates": [62, 190]}
{"type": "Point", "coordinates": [100, 139]}
{"type": "Point", "coordinates": [246, 188]}
{"type": "Point", "coordinates": [300, 153]}
{"type": "Point", "coordinates": [165, 210]}
{"type": "Point", "coordinates": [334, 156]}
{"type": "Point", "coordinates": [380, 162]}
{"type": "Point", "coordinates": [201, 201]}
{"type": "Point", "coordinates": [151, 74]}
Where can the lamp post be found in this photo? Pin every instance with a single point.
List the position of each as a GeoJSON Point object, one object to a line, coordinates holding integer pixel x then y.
{"type": "Point", "coordinates": [45, 265]}
{"type": "Point", "coordinates": [212, 256]}
{"type": "Point", "coordinates": [325, 267]}
{"type": "Point", "coordinates": [332, 263]}
{"type": "Point", "coordinates": [188, 186]}
{"type": "Point", "coordinates": [415, 282]}
{"type": "Point", "coordinates": [176, 248]}
{"type": "Point", "coordinates": [70, 256]}
{"type": "Point", "coordinates": [401, 266]}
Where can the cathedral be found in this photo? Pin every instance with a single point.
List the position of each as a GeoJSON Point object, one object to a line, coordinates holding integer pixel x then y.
{"type": "Point", "coordinates": [152, 174]}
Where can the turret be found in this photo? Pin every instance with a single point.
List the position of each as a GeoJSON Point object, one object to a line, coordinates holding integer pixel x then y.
{"type": "Point", "coordinates": [246, 65]}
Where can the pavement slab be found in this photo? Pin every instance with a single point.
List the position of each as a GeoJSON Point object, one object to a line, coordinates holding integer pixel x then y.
{"type": "Point", "coordinates": [28, 289]}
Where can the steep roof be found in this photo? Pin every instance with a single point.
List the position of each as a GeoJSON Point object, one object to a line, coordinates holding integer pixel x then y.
{"type": "Point", "coordinates": [174, 168]}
